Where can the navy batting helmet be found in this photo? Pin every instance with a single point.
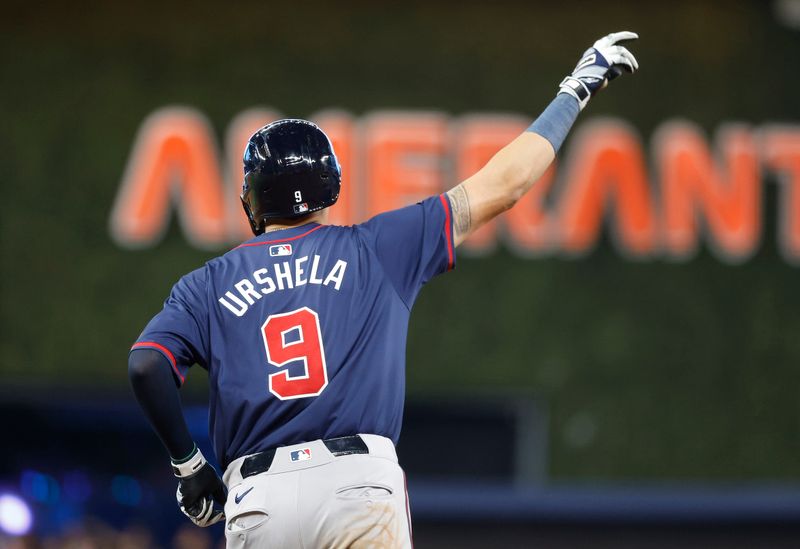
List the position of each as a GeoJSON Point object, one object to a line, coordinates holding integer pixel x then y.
{"type": "Point", "coordinates": [290, 170]}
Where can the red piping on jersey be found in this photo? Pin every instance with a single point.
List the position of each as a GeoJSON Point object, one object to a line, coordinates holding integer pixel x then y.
{"type": "Point", "coordinates": [447, 228]}
{"type": "Point", "coordinates": [279, 241]}
{"type": "Point", "coordinates": [167, 353]}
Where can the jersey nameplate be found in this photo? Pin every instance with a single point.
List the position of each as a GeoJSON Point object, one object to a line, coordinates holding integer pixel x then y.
{"type": "Point", "coordinates": [283, 276]}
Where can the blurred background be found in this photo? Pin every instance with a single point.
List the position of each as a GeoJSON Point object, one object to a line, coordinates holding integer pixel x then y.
{"type": "Point", "coordinates": [614, 364]}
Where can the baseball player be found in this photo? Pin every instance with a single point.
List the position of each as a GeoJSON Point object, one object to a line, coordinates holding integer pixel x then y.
{"type": "Point", "coordinates": [302, 330]}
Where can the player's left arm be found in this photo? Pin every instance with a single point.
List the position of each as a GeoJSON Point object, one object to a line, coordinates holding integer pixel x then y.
{"type": "Point", "coordinates": [513, 170]}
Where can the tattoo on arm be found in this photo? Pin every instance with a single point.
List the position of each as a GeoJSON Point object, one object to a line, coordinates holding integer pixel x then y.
{"type": "Point", "coordinates": [459, 202]}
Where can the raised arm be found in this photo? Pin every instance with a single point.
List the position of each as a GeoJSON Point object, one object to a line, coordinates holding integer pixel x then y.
{"type": "Point", "coordinates": [511, 172]}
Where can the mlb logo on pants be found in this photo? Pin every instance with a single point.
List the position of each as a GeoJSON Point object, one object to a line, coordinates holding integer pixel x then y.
{"type": "Point", "coordinates": [301, 455]}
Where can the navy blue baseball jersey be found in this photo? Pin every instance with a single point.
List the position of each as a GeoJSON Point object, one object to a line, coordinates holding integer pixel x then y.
{"type": "Point", "coordinates": [303, 330]}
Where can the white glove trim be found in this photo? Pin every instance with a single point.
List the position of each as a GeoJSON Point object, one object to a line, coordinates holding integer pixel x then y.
{"type": "Point", "coordinates": [576, 89]}
{"type": "Point", "coordinates": [190, 466]}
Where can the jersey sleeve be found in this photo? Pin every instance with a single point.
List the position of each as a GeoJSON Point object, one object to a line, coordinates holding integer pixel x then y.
{"type": "Point", "coordinates": [180, 330]}
{"type": "Point", "coordinates": [413, 244]}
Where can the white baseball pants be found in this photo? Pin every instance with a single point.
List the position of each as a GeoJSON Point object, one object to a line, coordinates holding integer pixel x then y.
{"type": "Point", "coordinates": [311, 499]}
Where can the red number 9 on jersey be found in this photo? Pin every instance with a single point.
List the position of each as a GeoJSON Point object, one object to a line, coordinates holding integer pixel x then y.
{"type": "Point", "coordinates": [304, 342]}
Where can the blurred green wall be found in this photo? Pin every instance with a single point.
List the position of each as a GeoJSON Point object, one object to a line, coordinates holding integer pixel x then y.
{"type": "Point", "coordinates": [653, 370]}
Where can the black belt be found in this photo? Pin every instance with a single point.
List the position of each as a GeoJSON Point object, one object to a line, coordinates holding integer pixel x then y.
{"type": "Point", "coordinates": [342, 446]}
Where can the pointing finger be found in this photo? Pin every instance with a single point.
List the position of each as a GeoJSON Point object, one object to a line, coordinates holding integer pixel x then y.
{"type": "Point", "coordinates": [623, 36]}
{"type": "Point", "coordinates": [615, 38]}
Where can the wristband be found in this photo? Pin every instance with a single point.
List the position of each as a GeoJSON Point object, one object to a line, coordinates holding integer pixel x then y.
{"type": "Point", "coordinates": [556, 120]}
{"type": "Point", "coordinates": [189, 466]}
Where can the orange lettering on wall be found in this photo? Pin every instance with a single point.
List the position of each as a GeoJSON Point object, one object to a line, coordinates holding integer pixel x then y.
{"type": "Point", "coordinates": [726, 192]}
{"type": "Point", "coordinates": [477, 140]}
{"type": "Point", "coordinates": [606, 164]}
{"type": "Point", "coordinates": [244, 125]}
{"type": "Point", "coordinates": [174, 151]}
{"type": "Point", "coordinates": [339, 127]}
{"type": "Point", "coordinates": [781, 152]}
{"type": "Point", "coordinates": [404, 158]}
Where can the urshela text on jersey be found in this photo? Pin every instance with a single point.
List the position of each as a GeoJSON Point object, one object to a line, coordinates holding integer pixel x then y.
{"type": "Point", "coordinates": [285, 275]}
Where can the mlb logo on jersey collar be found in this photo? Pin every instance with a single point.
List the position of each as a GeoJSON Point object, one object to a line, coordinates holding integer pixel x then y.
{"type": "Point", "coordinates": [300, 455]}
{"type": "Point", "coordinates": [279, 250]}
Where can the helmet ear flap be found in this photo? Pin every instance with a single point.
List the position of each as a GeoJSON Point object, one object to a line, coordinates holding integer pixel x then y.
{"type": "Point", "coordinates": [257, 228]}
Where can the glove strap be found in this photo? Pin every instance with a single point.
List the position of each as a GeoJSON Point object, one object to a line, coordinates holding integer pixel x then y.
{"type": "Point", "coordinates": [190, 465]}
{"type": "Point", "coordinates": [576, 89]}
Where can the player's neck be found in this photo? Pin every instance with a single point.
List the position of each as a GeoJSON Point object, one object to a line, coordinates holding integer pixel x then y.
{"type": "Point", "coordinates": [280, 224]}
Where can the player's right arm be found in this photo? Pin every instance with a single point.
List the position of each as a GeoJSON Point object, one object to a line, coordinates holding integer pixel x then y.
{"type": "Point", "coordinates": [513, 170]}
{"type": "Point", "coordinates": [157, 365]}
{"type": "Point", "coordinates": [155, 387]}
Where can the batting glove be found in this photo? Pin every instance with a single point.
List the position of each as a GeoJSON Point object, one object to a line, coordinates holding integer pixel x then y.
{"type": "Point", "coordinates": [602, 62]}
{"type": "Point", "coordinates": [198, 488]}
